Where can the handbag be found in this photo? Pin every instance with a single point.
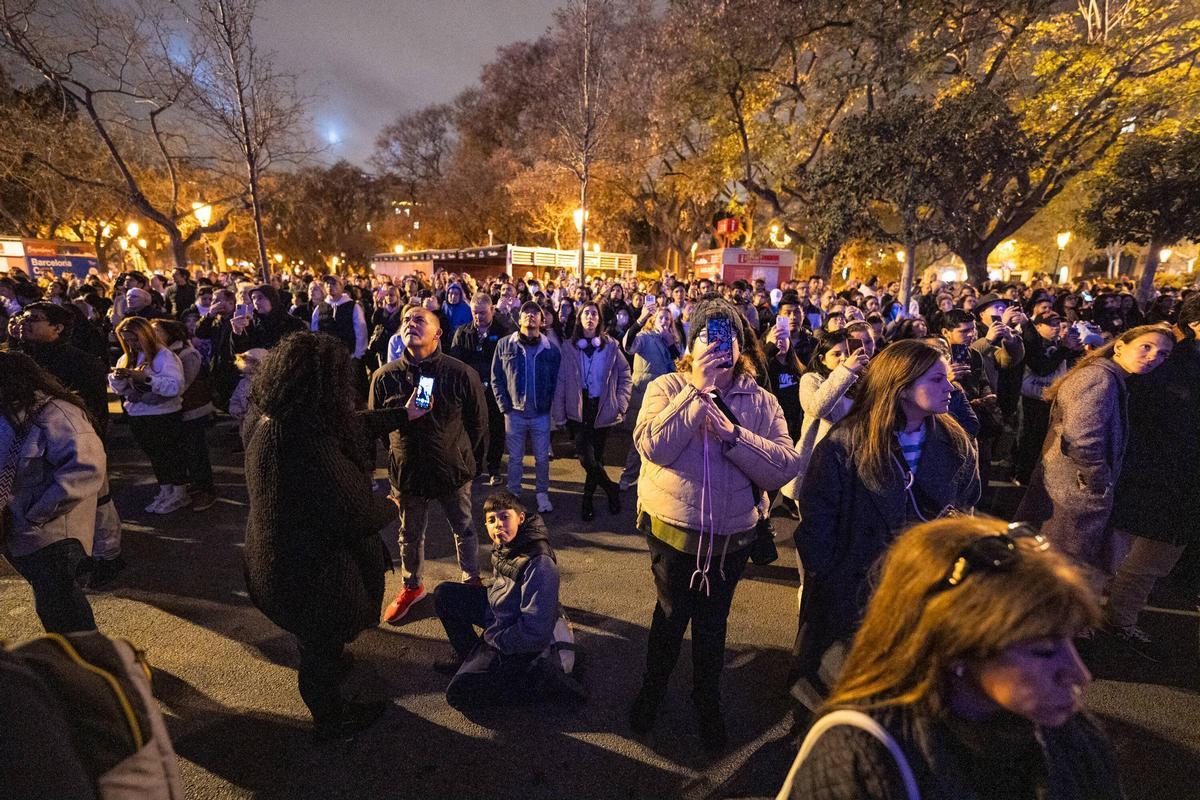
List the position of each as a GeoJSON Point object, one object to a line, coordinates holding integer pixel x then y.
{"type": "Point", "coordinates": [855, 719]}
{"type": "Point", "coordinates": [762, 550]}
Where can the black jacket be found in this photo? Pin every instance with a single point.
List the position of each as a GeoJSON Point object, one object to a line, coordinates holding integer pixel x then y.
{"type": "Point", "coordinates": [265, 330]}
{"type": "Point", "coordinates": [437, 453]}
{"type": "Point", "coordinates": [314, 559]}
{"type": "Point", "coordinates": [477, 351]}
{"type": "Point", "coordinates": [1157, 495]}
{"type": "Point", "coordinates": [846, 526]}
{"type": "Point", "coordinates": [956, 760]}
{"type": "Point", "coordinates": [80, 372]}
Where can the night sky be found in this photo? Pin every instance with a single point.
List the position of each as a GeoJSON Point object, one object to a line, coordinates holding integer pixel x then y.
{"type": "Point", "coordinates": [369, 60]}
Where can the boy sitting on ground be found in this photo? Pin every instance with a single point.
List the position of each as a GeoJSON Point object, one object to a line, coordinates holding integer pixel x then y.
{"type": "Point", "coordinates": [512, 661]}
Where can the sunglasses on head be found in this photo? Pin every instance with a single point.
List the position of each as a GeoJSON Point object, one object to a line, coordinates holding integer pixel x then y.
{"type": "Point", "coordinates": [997, 553]}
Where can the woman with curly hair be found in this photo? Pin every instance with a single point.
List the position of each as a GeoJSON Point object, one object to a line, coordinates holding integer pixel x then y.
{"type": "Point", "coordinates": [314, 559]}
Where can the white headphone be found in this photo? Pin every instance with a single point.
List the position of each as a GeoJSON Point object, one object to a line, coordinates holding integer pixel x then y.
{"type": "Point", "coordinates": [582, 344]}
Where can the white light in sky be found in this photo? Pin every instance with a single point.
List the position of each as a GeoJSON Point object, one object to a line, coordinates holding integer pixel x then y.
{"type": "Point", "coordinates": [333, 136]}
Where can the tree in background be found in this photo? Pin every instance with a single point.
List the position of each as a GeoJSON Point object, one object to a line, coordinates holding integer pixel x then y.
{"type": "Point", "coordinates": [1150, 196]}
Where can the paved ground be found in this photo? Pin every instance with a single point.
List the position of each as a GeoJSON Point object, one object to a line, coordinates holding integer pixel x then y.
{"type": "Point", "coordinates": [225, 674]}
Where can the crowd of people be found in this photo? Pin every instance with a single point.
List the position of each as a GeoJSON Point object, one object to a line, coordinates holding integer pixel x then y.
{"type": "Point", "coordinates": [887, 430]}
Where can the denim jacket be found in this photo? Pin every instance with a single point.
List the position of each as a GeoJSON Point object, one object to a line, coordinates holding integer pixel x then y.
{"type": "Point", "coordinates": [509, 370]}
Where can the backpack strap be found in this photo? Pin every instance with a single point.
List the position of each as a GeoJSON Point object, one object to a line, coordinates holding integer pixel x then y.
{"type": "Point", "coordinates": [8, 475]}
{"type": "Point", "coordinates": [854, 719]}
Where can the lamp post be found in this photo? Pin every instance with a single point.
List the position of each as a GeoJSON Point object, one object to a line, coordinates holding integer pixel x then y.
{"type": "Point", "coordinates": [1062, 239]}
{"type": "Point", "coordinates": [581, 218]}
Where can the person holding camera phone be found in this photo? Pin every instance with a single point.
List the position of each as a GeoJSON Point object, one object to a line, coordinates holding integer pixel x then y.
{"type": "Point", "coordinates": [711, 440]}
{"type": "Point", "coordinates": [433, 457]}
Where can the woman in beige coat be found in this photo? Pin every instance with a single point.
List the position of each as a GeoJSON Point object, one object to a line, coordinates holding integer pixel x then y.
{"type": "Point", "coordinates": [592, 395]}
{"type": "Point", "coordinates": [712, 440]}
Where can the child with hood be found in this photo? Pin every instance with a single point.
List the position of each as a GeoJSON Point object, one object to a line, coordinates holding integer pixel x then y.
{"type": "Point", "coordinates": [513, 661]}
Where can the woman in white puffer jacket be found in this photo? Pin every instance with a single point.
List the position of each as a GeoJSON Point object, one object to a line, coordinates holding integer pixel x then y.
{"type": "Point", "coordinates": [149, 379]}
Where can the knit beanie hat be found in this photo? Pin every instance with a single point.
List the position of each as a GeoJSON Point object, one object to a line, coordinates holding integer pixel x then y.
{"type": "Point", "coordinates": [716, 308]}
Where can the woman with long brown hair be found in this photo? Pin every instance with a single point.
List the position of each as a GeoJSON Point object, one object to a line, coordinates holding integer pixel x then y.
{"type": "Point", "coordinates": [149, 380]}
{"type": "Point", "coordinates": [1071, 491]}
{"type": "Point", "coordinates": [963, 681]}
{"type": "Point", "coordinates": [898, 457]}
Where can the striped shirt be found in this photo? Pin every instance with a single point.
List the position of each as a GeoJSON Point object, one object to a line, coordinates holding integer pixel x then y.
{"type": "Point", "coordinates": [910, 447]}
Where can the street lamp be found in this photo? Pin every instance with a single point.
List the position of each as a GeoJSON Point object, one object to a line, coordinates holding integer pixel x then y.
{"type": "Point", "coordinates": [203, 213]}
{"type": "Point", "coordinates": [901, 256]}
{"type": "Point", "coordinates": [279, 258]}
{"type": "Point", "coordinates": [398, 249]}
{"type": "Point", "coordinates": [1164, 255]}
{"type": "Point", "coordinates": [1063, 239]}
{"type": "Point", "coordinates": [580, 217]}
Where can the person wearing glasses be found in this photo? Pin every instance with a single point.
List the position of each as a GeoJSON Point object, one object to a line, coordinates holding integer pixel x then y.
{"type": "Point", "coordinates": [963, 681]}
{"type": "Point", "coordinates": [898, 457]}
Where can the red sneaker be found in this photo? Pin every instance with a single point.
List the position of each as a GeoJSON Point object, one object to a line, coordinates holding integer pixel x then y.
{"type": "Point", "coordinates": [403, 602]}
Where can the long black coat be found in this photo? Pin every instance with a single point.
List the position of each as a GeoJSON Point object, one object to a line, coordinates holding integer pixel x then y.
{"type": "Point", "coordinates": [314, 557]}
{"type": "Point", "coordinates": [1158, 494]}
{"type": "Point", "coordinates": [846, 526]}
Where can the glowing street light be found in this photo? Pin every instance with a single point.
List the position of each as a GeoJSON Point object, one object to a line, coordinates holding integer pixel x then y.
{"type": "Point", "coordinates": [279, 258]}
{"type": "Point", "coordinates": [901, 256]}
{"type": "Point", "coordinates": [203, 213]}
{"type": "Point", "coordinates": [229, 262]}
{"type": "Point", "coordinates": [398, 249]}
{"type": "Point", "coordinates": [580, 217]}
{"type": "Point", "coordinates": [132, 229]}
{"type": "Point", "coordinates": [1063, 239]}
{"type": "Point", "coordinates": [142, 243]}
{"type": "Point", "coordinates": [595, 247]}
{"type": "Point", "coordinates": [1164, 255]}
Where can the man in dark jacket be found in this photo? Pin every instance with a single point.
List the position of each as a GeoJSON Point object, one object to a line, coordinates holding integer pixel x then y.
{"type": "Point", "coordinates": [217, 329]}
{"type": "Point", "coordinates": [181, 294]}
{"type": "Point", "coordinates": [1156, 499]}
{"type": "Point", "coordinates": [42, 331]}
{"type": "Point", "coordinates": [433, 458]}
{"type": "Point", "coordinates": [475, 345]}
{"type": "Point", "coordinates": [517, 614]}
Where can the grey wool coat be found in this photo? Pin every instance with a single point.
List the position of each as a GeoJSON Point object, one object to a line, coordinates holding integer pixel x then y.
{"type": "Point", "coordinates": [1071, 490]}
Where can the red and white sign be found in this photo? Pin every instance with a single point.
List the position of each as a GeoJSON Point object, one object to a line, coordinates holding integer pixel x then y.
{"type": "Point", "coordinates": [731, 264]}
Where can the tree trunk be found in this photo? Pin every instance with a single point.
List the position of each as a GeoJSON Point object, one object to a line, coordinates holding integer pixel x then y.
{"type": "Point", "coordinates": [977, 267]}
{"type": "Point", "coordinates": [823, 263]}
{"type": "Point", "coordinates": [179, 248]}
{"type": "Point", "coordinates": [256, 206]}
{"type": "Point", "coordinates": [906, 274]}
{"type": "Point", "coordinates": [1145, 288]}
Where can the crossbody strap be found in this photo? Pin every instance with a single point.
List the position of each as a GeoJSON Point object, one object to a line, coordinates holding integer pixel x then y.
{"type": "Point", "coordinates": [855, 719]}
{"type": "Point", "coordinates": [728, 412]}
{"type": "Point", "coordinates": [8, 474]}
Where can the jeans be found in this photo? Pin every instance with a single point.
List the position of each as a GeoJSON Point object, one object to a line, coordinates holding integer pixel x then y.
{"type": "Point", "coordinates": [516, 428]}
{"type": "Point", "coordinates": [320, 677]}
{"type": "Point", "coordinates": [161, 437]}
{"type": "Point", "coordinates": [195, 442]}
{"type": "Point", "coordinates": [58, 600]}
{"type": "Point", "coordinates": [461, 608]}
{"type": "Point", "coordinates": [1147, 561]}
{"type": "Point", "coordinates": [414, 519]}
{"type": "Point", "coordinates": [677, 605]}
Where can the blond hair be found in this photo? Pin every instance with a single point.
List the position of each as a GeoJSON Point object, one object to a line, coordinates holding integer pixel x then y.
{"type": "Point", "coordinates": [912, 633]}
{"type": "Point", "coordinates": [148, 339]}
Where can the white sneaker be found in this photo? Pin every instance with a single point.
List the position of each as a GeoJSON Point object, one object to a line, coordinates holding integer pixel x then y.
{"type": "Point", "coordinates": [163, 492]}
{"type": "Point", "coordinates": [177, 499]}
{"type": "Point", "coordinates": [544, 504]}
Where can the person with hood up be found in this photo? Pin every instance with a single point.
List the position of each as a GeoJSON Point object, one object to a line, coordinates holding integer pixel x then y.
{"type": "Point", "coordinates": [268, 323]}
{"type": "Point", "coordinates": [456, 309]}
{"type": "Point", "coordinates": [518, 613]}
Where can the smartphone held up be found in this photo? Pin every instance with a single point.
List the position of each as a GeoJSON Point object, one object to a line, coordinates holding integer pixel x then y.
{"type": "Point", "coordinates": [720, 330]}
{"type": "Point", "coordinates": [424, 392]}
